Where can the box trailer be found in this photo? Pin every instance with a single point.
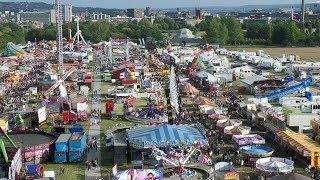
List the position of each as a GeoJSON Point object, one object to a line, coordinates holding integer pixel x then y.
{"type": "Point", "coordinates": [69, 116]}
{"type": "Point", "coordinates": [61, 148]}
{"type": "Point", "coordinates": [77, 145]}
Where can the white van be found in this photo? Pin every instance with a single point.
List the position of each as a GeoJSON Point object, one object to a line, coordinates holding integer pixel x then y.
{"type": "Point", "coordinates": [48, 175]}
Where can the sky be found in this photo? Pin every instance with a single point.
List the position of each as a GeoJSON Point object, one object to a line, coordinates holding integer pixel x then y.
{"type": "Point", "coordinates": [163, 3]}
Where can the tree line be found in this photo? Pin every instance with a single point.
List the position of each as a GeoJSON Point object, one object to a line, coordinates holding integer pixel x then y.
{"type": "Point", "coordinates": [228, 30]}
{"type": "Point", "coordinates": [99, 31]}
{"type": "Point", "coordinates": [11, 32]}
{"type": "Point", "coordinates": [221, 30]}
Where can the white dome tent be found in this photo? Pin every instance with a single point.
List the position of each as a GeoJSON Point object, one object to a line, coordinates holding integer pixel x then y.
{"type": "Point", "coordinates": [186, 33]}
{"type": "Point", "coordinates": [274, 165]}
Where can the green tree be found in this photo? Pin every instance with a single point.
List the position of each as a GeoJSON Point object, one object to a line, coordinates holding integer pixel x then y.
{"type": "Point", "coordinates": [260, 31]}
{"type": "Point", "coordinates": [217, 32]}
{"type": "Point", "coordinates": [203, 25]}
{"type": "Point", "coordinates": [281, 34]}
{"type": "Point", "coordinates": [10, 32]}
{"type": "Point", "coordinates": [235, 32]}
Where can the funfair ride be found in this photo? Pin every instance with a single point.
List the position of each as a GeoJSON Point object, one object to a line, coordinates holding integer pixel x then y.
{"type": "Point", "coordinates": [179, 160]}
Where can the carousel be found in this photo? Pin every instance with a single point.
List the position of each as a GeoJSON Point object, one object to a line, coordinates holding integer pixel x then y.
{"type": "Point", "coordinates": [178, 160]}
{"type": "Point", "coordinates": [139, 174]}
{"type": "Point", "coordinates": [271, 166]}
{"type": "Point", "coordinates": [150, 113]}
{"type": "Point", "coordinates": [249, 139]}
{"type": "Point", "coordinates": [251, 153]}
{"type": "Point", "coordinates": [173, 147]}
{"type": "Point", "coordinates": [225, 170]}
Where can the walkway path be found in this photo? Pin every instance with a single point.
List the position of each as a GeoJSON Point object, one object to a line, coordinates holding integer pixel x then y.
{"type": "Point", "coordinates": [94, 130]}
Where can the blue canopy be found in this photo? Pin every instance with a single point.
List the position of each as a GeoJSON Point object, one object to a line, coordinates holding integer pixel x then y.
{"type": "Point", "coordinates": [163, 135]}
{"type": "Point", "coordinates": [76, 128]}
{"type": "Point", "coordinates": [32, 168]}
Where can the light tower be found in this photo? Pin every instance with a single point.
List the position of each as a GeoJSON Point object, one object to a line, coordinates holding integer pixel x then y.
{"type": "Point", "coordinates": [78, 34]}
{"type": "Point", "coordinates": [303, 11]}
{"type": "Point", "coordinates": [59, 36]}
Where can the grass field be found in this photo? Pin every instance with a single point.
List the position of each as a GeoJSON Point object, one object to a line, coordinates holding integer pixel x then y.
{"type": "Point", "coordinates": [73, 171]}
{"type": "Point", "coordinates": [305, 53]}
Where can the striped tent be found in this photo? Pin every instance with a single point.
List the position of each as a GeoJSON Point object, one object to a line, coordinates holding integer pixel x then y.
{"type": "Point", "coordinates": [163, 135]}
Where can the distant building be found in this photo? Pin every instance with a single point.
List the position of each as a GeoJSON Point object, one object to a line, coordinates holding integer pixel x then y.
{"type": "Point", "coordinates": [314, 7]}
{"type": "Point", "coordinates": [120, 19]}
{"type": "Point", "coordinates": [173, 14]}
{"type": "Point", "coordinates": [199, 14]}
{"type": "Point", "coordinates": [7, 17]}
{"type": "Point", "coordinates": [68, 13]}
{"type": "Point", "coordinates": [52, 16]}
{"type": "Point", "coordinates": [148, 11]}
{"type": "Point", "coordinates": [135, 13]}
{"type": "Point", "coordinates": [249, 21]}
{"type": "Point", "coordinates": [45, 17]}
{"type": "Point", "coordinates": [193, 22]}
{"type": "Point", "coordinates": [100, 17]}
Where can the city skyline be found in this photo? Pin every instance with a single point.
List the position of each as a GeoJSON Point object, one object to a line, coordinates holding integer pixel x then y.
{"type": "Point", "coordinates": [162, 3]}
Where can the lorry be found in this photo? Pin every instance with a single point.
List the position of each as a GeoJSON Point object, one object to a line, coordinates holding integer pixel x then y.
{"type": "Point", "coordinates": [109, 107]}
{"type": "Point", "coordinates": [77, 145]}
{"type": "Point", "coordinates": [61, 148]}
{"type": "Point", "coordinates": [69, 116]}
{"type": "Point", "coordinates": [109, 141]}
{"type": "Point", "coordinates": [88, 78]}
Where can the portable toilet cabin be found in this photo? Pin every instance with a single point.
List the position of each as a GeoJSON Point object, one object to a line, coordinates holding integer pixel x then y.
{"type": "Point", "coordinates": [61, 148]}
{"type": "Point", "coordinates": [77, 145]}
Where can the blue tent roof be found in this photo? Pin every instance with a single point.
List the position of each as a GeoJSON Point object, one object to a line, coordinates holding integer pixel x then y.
{"type": "Point", "coordinates": [146, 84]}
{"type": "Point", "coordinates": [163, 135]}
{"type": "Point", "coordinates": [32, 168]}
{"type": "Point", "coordinates": [76, 128]}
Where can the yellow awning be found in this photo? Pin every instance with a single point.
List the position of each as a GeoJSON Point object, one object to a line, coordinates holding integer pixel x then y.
{"type": "Point", "coordinates": [299, 141]}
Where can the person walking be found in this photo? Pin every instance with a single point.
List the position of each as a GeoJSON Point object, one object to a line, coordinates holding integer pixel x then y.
{"type": "Point", "coordinates": [87, 165]}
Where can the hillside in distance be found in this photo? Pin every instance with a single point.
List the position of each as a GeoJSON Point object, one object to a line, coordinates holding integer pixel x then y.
{"type": "Point", "coordinates": [39, 6]}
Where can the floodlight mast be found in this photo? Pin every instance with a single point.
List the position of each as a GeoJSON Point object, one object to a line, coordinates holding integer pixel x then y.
{"type": "Point", "coordinates": [59, 36]}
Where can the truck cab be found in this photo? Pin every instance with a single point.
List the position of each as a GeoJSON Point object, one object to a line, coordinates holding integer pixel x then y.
{"type": "Point", "coordinates": [109, 141]}
{"type": "Point", "coordinates": [88, 77]}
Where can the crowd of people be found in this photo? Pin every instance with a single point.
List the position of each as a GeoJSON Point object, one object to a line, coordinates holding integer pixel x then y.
{"type": "Point", "coordinates": [14, 91]}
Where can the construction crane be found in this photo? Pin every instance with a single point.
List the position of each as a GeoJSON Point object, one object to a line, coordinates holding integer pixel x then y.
{"type": "Point", "coordinates": [59, 36]}
{"type": "Point", "coordinates": [60, 81]}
